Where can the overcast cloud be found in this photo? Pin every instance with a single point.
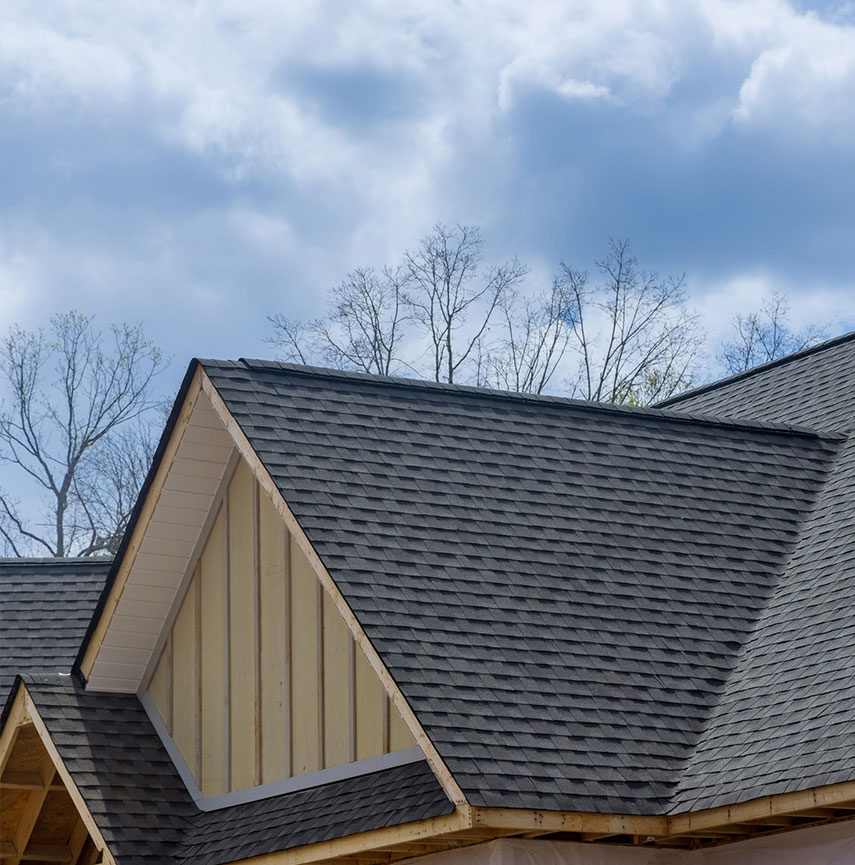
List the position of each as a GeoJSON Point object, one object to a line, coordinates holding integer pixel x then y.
{"type": "Point", "coordinates": [200, 165]}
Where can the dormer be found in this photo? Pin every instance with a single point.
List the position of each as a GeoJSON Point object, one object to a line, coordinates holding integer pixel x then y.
{"type": "Point", "coordinates": [222, 618]}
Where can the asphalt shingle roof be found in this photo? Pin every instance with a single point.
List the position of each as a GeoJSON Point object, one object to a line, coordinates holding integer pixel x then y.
{"type": "Point", "coordinates": [45, 606]}
{"type": "Point", "coordinates": [120, 766]}
{"type": "Point", "coordinates": [814, 387]}
{"type": "Point", "coordinates": [561, 590]}
{"type": "Point", "coordinates": [589, 608]}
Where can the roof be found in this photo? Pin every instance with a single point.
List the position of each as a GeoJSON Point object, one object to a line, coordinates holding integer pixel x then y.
{"type": "Point", "coordinates": [589, 608]}
{"type": "Point", "coordinates": [815, 387]}
{"type": "Point", "coordinates": [561, 590]}
{"type": "Point", "coordinates": [785, 720]}
{"type": "Point", "coordinates": [129, 783]}
{"type": "Point", "coordinates": [45, 607]}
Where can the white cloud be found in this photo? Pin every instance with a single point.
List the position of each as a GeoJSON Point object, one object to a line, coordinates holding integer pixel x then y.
{"type": "Point", "coordinates": [573, 89]}
{"type": "Point", "coordinates": [803, 83]}
{"type": "Point", "coordinates": [207, 72]}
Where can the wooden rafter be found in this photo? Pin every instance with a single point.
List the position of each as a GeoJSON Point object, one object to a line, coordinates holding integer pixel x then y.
{"type": "Point", "coordinates": [33, 771]}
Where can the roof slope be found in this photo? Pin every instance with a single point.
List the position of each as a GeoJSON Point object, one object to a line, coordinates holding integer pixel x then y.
{"type": "Point", "coordinates": [146, 814]}
{"type": "Point", "coordinates": [560, 590]}
{"type": "Point", "coordinates": [45, 607]}
{"type": "Point", "coordinates": [814, 387]}
{"type": "Point", "coordinates": [786, 720]}
{"type": "Point", "coordinates": [129, 783]}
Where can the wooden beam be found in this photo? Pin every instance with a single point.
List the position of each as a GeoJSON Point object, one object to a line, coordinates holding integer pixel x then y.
{"type": "Point", "coordinates": [47, 853]}
{"type": "Point", "coordinates": [146, 513]}
{"type": "Point", "coordinates": [21, 781]}
{"type": "Point", "coordinates": [77, 841]}
{"type": "Point", "coordinates": [35, 801]}
{"type": "Point", "coordinates": [767, 806]}
{"type": "Point", "coordinates": [569, 821]}
{"type": "Point", "coordinates": [16, 719]}
{"type": "Point", "coordinates": [32, 714]}
{"type": "Point", "coordinates": [299, 536]}
{"type": "Point", "coordinates": [7, 850]}
{"type": "Point", "coordinates": [817, 813]}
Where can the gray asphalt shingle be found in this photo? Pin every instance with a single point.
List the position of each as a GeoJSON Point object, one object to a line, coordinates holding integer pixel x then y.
{"type": "Point", "coordinates": [589, 608]}
{"type": "Point", "coordinates": [120, 766]}
{"type": "Point", "coordinates": [560, 590]}
{"type": "Point", "coordinates": [45, 606]}
{"type": "Point", "coordinates": [815, 387]}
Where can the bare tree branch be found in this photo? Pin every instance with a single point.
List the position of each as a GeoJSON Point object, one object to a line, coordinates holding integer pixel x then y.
{"type": "Point", "coordinates": [67, 397]}
{"type": "Point", "coordinates": [537, 334]}
{"type": "Point", "coordinates": [363, 330]}
{"type": "Point", "coordinates": [446, 296]}
{"type": "Point", "coordinates": [765, 335]}
{"type": "Point", "coordinates": [647, 343]}
{"type": "Point", "coordinates": [290, 339]}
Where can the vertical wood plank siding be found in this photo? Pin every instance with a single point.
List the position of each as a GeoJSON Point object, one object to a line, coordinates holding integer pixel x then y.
{"type": "Point", "coordinates": [260, 678]}
{"type": "Point", "coordinates": [214, 662]}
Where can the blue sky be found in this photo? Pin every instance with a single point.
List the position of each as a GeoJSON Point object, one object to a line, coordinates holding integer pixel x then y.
{"type": "Point", "coordinates": [200, 165]}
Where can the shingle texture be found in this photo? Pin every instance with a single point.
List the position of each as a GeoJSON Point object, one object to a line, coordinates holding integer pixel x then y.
{"type": "Point", "coordinates": [815, 387]}
{"type": "Point", "coordinates": [589, 608]}
{"type": "Point", "coordinates": [146, 814]}
{"type": "Point", "coordinates": [45, 606]}
{"type": "Point", "coordinates": [386, 798]}
{"type": "Point", "coordinates": [120, 766]}
{"type": "Point", "coordinates": [561, 591]}
{"type": "Point", "coordinates": [786, 720]}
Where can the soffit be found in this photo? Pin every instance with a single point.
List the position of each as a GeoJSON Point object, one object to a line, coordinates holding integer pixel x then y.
{"type": "Point", "coordinates": [165, 552]}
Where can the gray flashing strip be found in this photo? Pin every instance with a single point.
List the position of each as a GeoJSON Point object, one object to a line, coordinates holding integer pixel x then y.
{"type": "Point", "coordinates": [171, 747]}
{"type": "Point", "coordinates": [312, 779]}
{"type": "Point", "coordinates": [273, 788]}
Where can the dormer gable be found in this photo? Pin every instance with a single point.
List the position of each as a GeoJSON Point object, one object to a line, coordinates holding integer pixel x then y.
{"type": "Point", "coordinates": [220, 615]}
{"type": "Point", "coordinates": [257, 679]}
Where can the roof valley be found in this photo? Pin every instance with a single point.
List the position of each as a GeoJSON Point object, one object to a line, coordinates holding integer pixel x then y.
{"type": "Point", "coordinates": [769, 676]}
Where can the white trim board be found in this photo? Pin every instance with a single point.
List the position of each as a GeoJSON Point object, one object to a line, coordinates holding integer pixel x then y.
{"type": "Point", "coordinates": [184, 585]}
{"type": "Point", "coordinates": [273, 788]}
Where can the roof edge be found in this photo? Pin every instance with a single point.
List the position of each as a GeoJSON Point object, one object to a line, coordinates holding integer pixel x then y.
{"type": "Point", "coordinates": [55, 560]}
{"type": "Point", "coordinates": [756, 370]}
{"type": "Point", "coordinates": [135, 515]}
{"type": "Point", "coordinates": [650, 413]}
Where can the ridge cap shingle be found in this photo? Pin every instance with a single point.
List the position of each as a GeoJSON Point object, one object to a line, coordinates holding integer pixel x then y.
{"type": "Point", "coordinates": [650, 413]}
{"type": "Point", "coordinates": [756, 370]}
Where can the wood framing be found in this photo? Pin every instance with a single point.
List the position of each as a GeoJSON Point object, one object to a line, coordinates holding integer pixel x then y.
{"type": "Point", "coordinates": [26, 741]}
{"type": "Point", "coordinates": [468, 826]}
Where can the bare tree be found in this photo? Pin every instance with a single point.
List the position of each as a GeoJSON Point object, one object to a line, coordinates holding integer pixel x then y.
{"type": "Point", "coordinates": [631, 333]}
{"type": "Point", "coordinates": [363, 330]}
{"type": "Point", "coordinates": [765, 335]}
{"type": "Point", "coordinates": [292, 339]}
{"type": "Point", "coordinates": [637, 342]}
{"type": "Point", "coordinates": [69, 400]}
{"type": "Point", "coordinates": [537, 333]}
{"type": "Point", "coordinates": [451, 305]}
{"type": "Point", "coordinates": [106, 487]}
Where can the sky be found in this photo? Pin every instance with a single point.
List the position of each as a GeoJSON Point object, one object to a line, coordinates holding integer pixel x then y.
{"type": "Point", "coordinates": [198, 166]}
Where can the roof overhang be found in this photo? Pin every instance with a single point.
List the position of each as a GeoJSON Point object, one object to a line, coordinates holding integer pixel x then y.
{"type": "Point", "coordinates": [44, 814]}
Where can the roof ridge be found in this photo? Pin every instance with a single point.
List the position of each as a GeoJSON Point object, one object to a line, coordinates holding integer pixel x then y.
{"type": "Point", "coordinates": [755, 370]}
{"type": "Point", "coordinates": [59, 560]}
{"type": "Point", "coordinates": [648, 412]}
